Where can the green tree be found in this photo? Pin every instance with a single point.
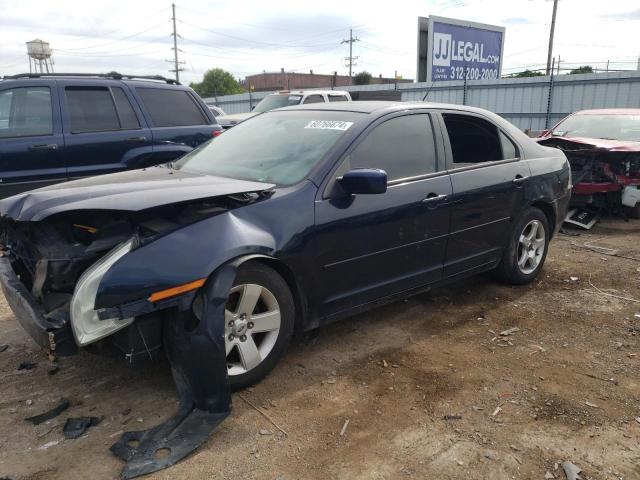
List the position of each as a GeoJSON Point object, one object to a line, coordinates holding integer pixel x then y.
{"type": "Point", "coordinates": [526, 73]}
{"type": "Point", "coordinates": [362, 78]}
{"type": "Point", "coordinates": [217, 82]}
{"type": "Point", "coordinates": [583, 69]}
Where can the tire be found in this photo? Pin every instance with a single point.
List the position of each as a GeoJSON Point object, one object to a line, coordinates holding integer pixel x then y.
{"type": "Point", "coordinates": [523, 258]}
{"type": "Point", "coordinates": [254, 346]}
{"type": "Point", "coordinates": [634, 212]}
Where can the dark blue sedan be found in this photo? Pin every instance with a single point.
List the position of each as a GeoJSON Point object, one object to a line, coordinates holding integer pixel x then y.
{"type": "Point", "coordinates": [291, 220]}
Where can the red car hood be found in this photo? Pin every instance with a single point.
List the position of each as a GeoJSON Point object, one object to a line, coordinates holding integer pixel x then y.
{"type": "Point", "coordinates": [603, 143]}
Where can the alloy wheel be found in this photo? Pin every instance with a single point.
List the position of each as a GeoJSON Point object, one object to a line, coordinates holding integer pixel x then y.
{"type": "Point", "coordinates": [252, 326]}
{"type": "Point", "coordinates": [531, 245]}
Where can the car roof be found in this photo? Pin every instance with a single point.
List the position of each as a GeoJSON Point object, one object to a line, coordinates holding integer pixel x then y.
{"type": "Point", "coordinates": [306, 92]}
{"type": "Point", "coordinates": [377, 106]}
{"type": "Point", "coordinates": [609, 111]}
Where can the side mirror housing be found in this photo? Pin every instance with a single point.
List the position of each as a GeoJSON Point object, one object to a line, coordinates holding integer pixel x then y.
{"type": "Point", "coordinates": [364, 181]}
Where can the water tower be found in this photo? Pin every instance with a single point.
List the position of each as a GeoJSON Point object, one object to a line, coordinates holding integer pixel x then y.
{"type": "Point", "coordinates": [40, 60]}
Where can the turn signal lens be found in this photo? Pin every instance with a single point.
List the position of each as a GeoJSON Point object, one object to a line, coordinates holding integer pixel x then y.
{"type": "Point", "coordinates": [173, 291]}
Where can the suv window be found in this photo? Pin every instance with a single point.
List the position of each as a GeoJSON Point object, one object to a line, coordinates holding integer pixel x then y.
{"type": "Point", "coordinates": [403, 147]}
{"type": "Point", "coordinates": [91, 109]}
{"type": "Point", "coordinates": [338, 98]}
{"type": "Point", "coordinates": [314, 99]}
{"type": "Point", "coordinates": [474, 140]}
{"type": "Point", "coordinates": [128, 118]}
{"type": "Point", "coordinates": [171, 108]}
{"type": "Point", "coordinates": [25, 112]}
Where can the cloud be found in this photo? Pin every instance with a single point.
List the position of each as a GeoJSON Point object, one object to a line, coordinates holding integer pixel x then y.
{"type": "Point", "coordinates": [632, 15]}
{"type": "Point", "coordinates": [517, 21]}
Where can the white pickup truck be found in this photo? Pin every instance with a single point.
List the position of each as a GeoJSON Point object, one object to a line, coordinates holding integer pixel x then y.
{"type": "Point", "coordinates": [285, 98]}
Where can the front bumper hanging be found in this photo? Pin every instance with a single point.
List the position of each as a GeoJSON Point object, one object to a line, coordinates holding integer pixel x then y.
{"type": "Point", "coordinates": [199, 368]}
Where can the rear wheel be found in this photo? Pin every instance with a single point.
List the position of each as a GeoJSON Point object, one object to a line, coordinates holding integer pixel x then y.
{"type": "Point", "coordinates": [259, 321]}
{"type": "Point", "coordinates": [527, 249]}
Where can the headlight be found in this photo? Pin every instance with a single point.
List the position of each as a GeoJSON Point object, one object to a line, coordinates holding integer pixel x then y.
{"type": "Point", "coordinates": [86, 325]}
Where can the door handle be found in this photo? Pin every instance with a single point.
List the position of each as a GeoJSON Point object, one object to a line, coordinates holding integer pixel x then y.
{"type": "Point", "coordinates": [433, 199]}
{"type": "Point", "coordinates": [137, 139]}
{"type": "Point", "coordinates": [519, 180]}
{"type": "Point", "coordinates": [48, 146]}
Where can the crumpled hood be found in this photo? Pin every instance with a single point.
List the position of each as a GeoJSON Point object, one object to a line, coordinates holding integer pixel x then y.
{"type": "Point", "coordinates": [600, 143]}
{"type": "Point", "coordinates": [235, 118]}
{"type": "Point", "coordinates": [133, 190]}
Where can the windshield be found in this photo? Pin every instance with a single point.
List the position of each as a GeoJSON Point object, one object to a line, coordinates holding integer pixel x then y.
{"type": "Point", "coordinates": [276, 101]}
{"type": "Point", "coordinates": [276, 147]}
{"type": "Point", "coordinates": [625, 127]}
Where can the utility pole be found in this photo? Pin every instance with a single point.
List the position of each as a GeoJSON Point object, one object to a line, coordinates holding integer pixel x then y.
{"type": "Point", "coordinates": [351, 58]}
{"type": "Point", "coordinates": [551, 32]}
{"type": "Point", "coordinates": [176, 63]}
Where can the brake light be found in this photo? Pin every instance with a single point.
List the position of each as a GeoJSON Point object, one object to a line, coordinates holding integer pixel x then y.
{"type": "Point", "coordinates": [215, 133]}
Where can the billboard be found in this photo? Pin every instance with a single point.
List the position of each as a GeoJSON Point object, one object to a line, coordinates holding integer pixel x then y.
{"type": "Point", "coordinates": [450, 49]}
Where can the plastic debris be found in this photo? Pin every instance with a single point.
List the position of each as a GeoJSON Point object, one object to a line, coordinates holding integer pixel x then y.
{"type": "Point", "coordinates": [571, 471]}
{"type": "Point", "coordinates": [452, 417]}
{"type": "Point", "coordinates": [3, 348]}
{"type": "Point", "coordinates": [27, 366]}
{"type": "Point", "coordinates": [48, 415]}
{"type": "Point", "coordinates": [75, 427]}
{"type": "Point", "coordinates": [509, 331]}
{"type": "Point", "coordinates": [344, 427]}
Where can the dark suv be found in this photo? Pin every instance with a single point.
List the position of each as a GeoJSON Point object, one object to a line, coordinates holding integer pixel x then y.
{"type": "Point", "coordinates": [65, 126]}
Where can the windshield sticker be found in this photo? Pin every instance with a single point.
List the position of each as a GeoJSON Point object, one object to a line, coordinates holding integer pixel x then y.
{"type": "Point", "coordinates": [329, 125]}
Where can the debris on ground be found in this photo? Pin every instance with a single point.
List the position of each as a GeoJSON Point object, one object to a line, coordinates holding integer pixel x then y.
{"type": "Point", "coordinates": [571, 471]}
{"type": "Point", "coordinates": [344, 427]}
{"type": "Point", "coordinates": [48, 415]}
{"type": "Point", "coordinates": [3, 348]}
{"type": "Point", "coordinates": [509, 331]}
{"type": "Point", "coordinates": [27, 366]}
{"type": "Point", "coordinates": [548, 475]}
{"type": "Point", "coordinates": [496, 411]}
{"type": "Point", "coordinates": [574, 279]}
{"type": "Point", "coordinates": [53, 370]}
{"type": "Point", "coordinates": [452, 417]}
{"type": "Point", "coordinates": [592, 405]}
{"type": "Point", "coordinates": [75, 427]}
{"type": "Point", "coordinates": [49, 444]}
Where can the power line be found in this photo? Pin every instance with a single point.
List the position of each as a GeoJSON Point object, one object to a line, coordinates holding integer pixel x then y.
{"type": "Point", "coordinates": [118, 40]}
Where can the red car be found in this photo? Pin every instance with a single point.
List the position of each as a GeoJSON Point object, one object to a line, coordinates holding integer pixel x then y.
{"type": "Point", "coordinates": [603, 148]}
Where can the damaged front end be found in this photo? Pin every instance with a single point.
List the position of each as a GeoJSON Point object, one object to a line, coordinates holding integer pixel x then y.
{"type": "Point", "coordinates": [52, 272]}
{"type": "Point", "coordinates": [605, 174]}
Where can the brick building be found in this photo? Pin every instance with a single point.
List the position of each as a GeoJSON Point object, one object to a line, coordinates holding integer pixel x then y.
{"type": "Point", "coordinates": [269, 81]}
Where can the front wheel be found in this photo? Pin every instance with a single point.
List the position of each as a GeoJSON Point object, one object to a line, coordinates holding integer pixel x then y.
{"type": "Point", "coordinates": [259, 321]}
{"type": "Point", "coordinates": [527, 249]}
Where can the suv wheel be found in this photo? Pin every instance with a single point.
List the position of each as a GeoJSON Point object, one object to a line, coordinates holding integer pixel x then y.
{"type": "Point", "coordinates": [527, 249]}
{"type": "Point", "coordinates": [259, 320]}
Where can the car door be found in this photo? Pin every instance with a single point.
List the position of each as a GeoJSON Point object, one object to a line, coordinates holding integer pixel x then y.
{"type": "Point", "coordinates": [488, 181]}
{"type": "Point", "coordinates": [371, 246]}
{"type": "Point", "coordinates": [31, 140]}
{"type": "Point", "coordinates": [178, 121]}
{"type": "Point", "coordinates": [103, 132]}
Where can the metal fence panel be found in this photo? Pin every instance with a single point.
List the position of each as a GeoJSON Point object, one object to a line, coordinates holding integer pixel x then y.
{"type": "Point", "coordinates": [522, 101]}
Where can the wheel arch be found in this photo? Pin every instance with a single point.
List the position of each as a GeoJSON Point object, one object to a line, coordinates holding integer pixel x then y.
{"type": "Point", "coordinates": [288, 276]}
{"type": "Point", "coordinates": [547, 208]}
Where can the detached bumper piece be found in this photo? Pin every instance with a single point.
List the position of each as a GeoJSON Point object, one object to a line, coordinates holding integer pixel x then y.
{"type": "Point", "coordinates": [198, 364]}
{"type": "Point", "coordinates": [49, 331]}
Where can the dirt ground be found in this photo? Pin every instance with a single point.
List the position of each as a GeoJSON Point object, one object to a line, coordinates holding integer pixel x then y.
{"type": "Point", "coordinates": [566, 386]}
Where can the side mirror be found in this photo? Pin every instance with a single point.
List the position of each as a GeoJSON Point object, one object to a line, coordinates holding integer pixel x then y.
{"type": "Point", "coordinates": [364, 181]}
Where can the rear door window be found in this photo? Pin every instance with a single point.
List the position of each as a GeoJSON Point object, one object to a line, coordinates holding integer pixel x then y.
{"type": "Point", "coordinates": [26, 112]}
{"type": "Point", "coordinates": [91, 109]}
{"type": "Point", "coordinates": [128, 118]}
{"type": "Point", "coordinates": [404, 147]}
{"type": "Point", "coordinates": [314, 99]}
{"type": "Point", "coordinates": [338, 98]}
{"type": "Point", "coordinates": [475, 140]}
{"type": "Point", "coordinates": [171, 108]}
